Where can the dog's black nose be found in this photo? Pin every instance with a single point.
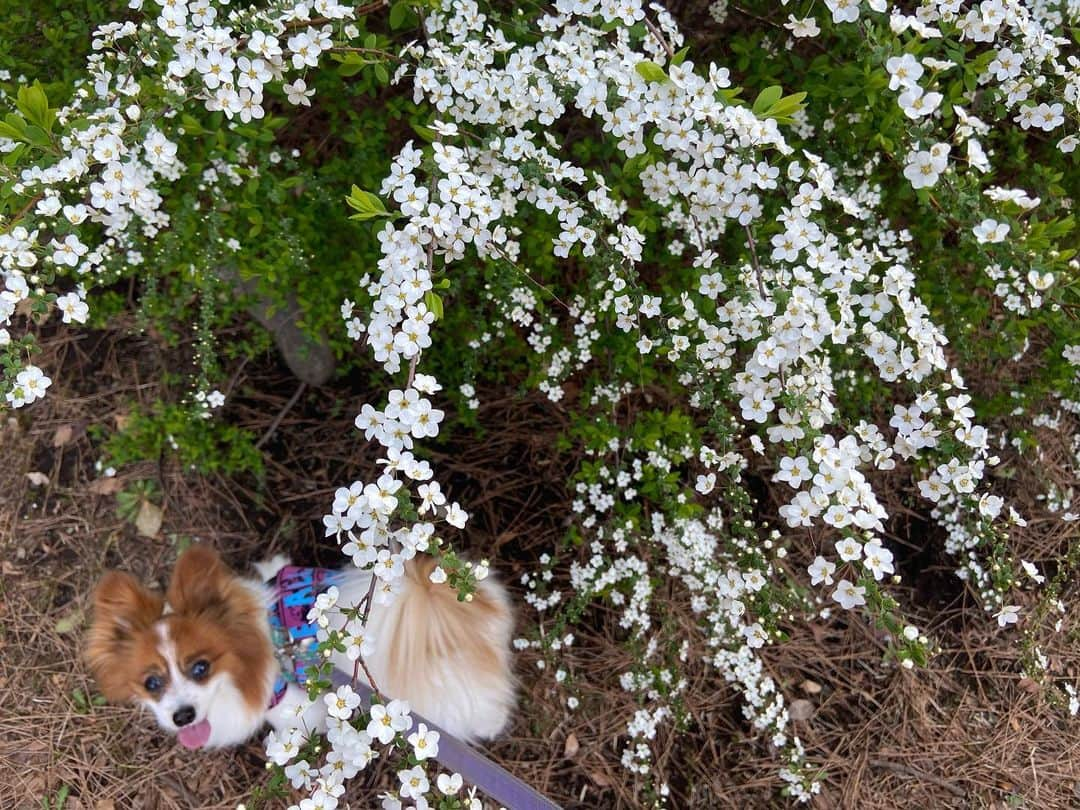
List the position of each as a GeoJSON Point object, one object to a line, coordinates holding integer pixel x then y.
{"type": "Point", "coordinates": [183, 715]}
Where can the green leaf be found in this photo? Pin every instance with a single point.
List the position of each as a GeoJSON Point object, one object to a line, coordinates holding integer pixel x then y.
{"type": "Point", "coordinates": [72, 621]}
{"type": "Point", "coordinates": [729, 95]}
{"type": "Point", "coordinates": [33, 103]}
{"type": "Point", "coordinates": [767, 98]}
{"type": "Point", "coordinates": [191, 125]}
{"type": "Point", "coordinates": [381, 74]}
{"type": "Point", "coordinates": [368, 205]}
{"type": "Point", "coordinates": [680, 56]}
{"type": "Point", "coordinates": [427, 133]}
{"type": "Point", "coordinates": [365, 202]}
{"type": "Point", "coordinates": [635, 165]}
{"type": "Point", "coordinates": [37, 136]}
{"type": "Point", "coordinates": [17, 123]}
{"type": "Point", "coordinates": [347, 69]}
{"type": "Point", "coordinates": [8, 131]}
{"type": "Point", "coordinates": [399, 13]}
{"type": "Point", "coordinates": [650, 71]}
{"type": "Point", "coordinates": [12, 157]}
{"type": "Point", "coordinates": [786, 107]}
{"type": "Point", "coordinates": [433, 301]}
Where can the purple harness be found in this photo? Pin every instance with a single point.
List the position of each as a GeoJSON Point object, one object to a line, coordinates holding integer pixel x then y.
{"type": "Point", "coordinates": [294, 639]}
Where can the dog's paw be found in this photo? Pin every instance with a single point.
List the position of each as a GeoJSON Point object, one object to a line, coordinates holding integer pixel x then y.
{"type": "Point", "coordinates": [269, 568]}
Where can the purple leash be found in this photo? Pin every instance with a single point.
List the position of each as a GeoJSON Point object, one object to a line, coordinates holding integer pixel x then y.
{"type": "Point", "coordinates": [474, 767]}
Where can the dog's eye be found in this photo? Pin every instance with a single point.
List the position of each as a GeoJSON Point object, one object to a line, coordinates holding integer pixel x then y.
{"type": "Point", "coordinates": [152, 683]}
{"type": "Point", "coordinates": [200, 669]}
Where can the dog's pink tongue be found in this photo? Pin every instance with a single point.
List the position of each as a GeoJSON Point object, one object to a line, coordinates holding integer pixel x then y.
{"type": "Point", "coordinates": [195, 735]}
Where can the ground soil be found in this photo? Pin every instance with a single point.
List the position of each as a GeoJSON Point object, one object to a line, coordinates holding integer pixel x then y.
{"type": "Point", "coordinates": [968, 732]}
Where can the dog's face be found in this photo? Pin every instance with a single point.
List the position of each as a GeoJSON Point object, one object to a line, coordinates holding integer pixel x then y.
{"type": "Point", "coordinates": [199, 659]}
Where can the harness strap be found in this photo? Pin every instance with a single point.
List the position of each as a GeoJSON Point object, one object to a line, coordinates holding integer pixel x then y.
{"type": "Point", "coordinates": [296, 590]}
{"type": "Point", "coordinates": [474, 767]}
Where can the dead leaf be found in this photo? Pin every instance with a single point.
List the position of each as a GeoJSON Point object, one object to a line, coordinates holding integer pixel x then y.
{"type": "Point", "coordinates": [801, 709]}
{"type": "Point", "coordinates": [122, 420]}
{"type": "Point", "coordinates": [148, 521]}
{"type": "Point", "coordinates": [37, 479]}
{"type": "Point", "coordinates": [105, 804]}
{"type": "Point", "coordinates": [811, 687]}
{"type": "Point", "coordinates": [572, 746]}
{"type": "Point", "coordinates": [1028, 685]}
{"type": "Point", "coordinates": [105, 486]}
{"type": "Point", "coordinates": [70, 622]}
{"type": "Point", "coordinates": [63, 435]}
{"type": "Point", "coordinates": [599, 778]}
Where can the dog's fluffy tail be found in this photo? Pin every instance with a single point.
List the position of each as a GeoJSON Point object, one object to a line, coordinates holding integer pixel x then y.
{"type": "Point", "coordinates": [449, 659]}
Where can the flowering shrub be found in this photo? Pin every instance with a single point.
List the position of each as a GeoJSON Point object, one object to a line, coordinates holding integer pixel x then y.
{"type": "Point", "coordinates": [802, 261]}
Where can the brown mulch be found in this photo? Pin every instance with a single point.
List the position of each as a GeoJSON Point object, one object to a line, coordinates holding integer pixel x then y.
{"type": "Point", "coordinates": [968, 732]}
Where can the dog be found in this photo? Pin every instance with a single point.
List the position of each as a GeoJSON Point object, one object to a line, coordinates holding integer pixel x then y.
{"type": "Point", "coordinates": [208, 657]}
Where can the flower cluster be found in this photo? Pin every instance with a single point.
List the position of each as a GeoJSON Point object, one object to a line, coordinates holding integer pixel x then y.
{"type": "Point", "coordinates": [784, 280]}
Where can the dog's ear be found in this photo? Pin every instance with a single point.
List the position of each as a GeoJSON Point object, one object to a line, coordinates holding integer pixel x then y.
{"type": "Point", "coordinates": [200, 581]}
{"type": "Point", "coordinates": [122, 609]}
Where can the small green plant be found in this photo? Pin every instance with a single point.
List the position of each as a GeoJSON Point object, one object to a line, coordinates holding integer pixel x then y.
{"type": "Point", "coordinates": [83, 703]}
{"type": "Point", "coordinates": [130, 501]}
{"type": "Point", "coordinates": [58, 801]}
{"type": "Point", "coordinates": [201, 444]}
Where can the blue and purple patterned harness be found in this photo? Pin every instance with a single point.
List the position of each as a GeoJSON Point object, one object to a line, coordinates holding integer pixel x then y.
{"type": "Point", "coordinates": [293, 636]}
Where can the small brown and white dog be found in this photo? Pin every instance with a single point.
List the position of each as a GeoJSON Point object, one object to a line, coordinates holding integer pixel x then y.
{"type": "Point", "coordinates": [202, 657]}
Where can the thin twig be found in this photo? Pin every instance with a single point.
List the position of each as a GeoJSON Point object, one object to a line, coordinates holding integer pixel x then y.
{"type": "Point", "coordinates": [899, 768]}
{"type": "Point", "coordinates": [660, 37]}
{"type": "Point", "coordinates": [372, 51]}
{"type": "Point", "coordinates": [281, 415]}
{"type": "Point", "coordinates": [22, 211]}
{"type": "Point", "coordinates": [525, 273]}
{"type": "Point", "coordinates": [757, 265]}
{"type": "Point", "coordinates": [322, 20]}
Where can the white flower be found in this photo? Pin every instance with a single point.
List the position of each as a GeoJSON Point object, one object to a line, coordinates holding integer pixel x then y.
{"type": "Point", "coordinates": [425, 742]}
{"type": "Point", "coordinates": [387, 721]}
{"type": "Point", "coordinates": [449, 784]}
{"type": "Point", "coordinates": [843, 10]}
{"type": "Point", "coordinates": [755, 635]}
{"type": "Point", "coordinates": [298, 93]}
{"type": "Point", "coordinates": [904, 71]}
{"type": "Point", "coordinates": [877, 559]}
{"type": "Point", "coordinates": [341, 704]}
{"type": "Point", "coordinates": [917, 104]}
{"type": "Point", "coordinates": [30, 385]}
{"type": "Point", "coordinates": [821, 570]}
{"type": "Point", "coordinates": [414, 783]}
{"type": "Point", "coordinates": [72, 308]}
{"type": "Point", "coordinates": [849, 595]}
{"type": "Point", "coordinates": [924, 167]}
{"type": "Point", "coordinates": [438, 575]}
{"type": "Point", "coordinates": [1009, 614]}
{"type": "Point", "coordinates": [990, 230]}
{"type": "Point", "coordinates": [456, 516]}
{"type": "Point", "coordinates": [1033, 572]}
{"type": "Point", "coordinates": [806, 27]}
{"type": "Point", "coordinates": [849, 550]}
{"type": "Point", "coordinates": [705, 483]}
